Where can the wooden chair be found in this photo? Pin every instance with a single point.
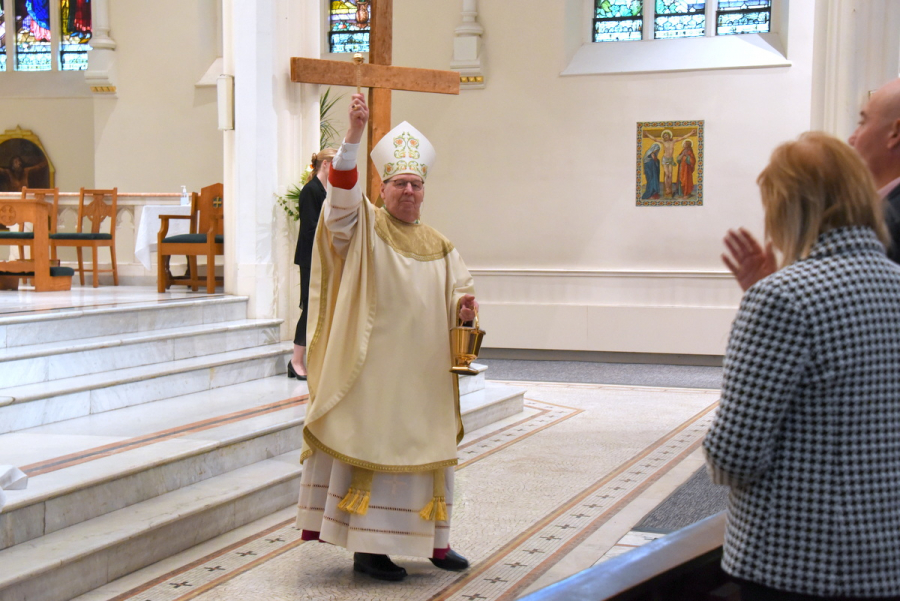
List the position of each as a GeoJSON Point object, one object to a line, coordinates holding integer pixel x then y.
{"type": "Point", "coordinates": [37, 268]}
{"type": "Point", "coordinates": [206, 238]}
{"type": "Point", "coordinates": [24, 239]}
{"type": "Point", "coordinates": [102, 205]}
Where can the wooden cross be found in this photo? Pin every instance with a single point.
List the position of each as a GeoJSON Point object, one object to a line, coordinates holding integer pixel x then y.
{"type": "Point", "coordinates": [379, 76]}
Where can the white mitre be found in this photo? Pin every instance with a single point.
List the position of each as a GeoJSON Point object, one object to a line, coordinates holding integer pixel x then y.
{"type": "Point", "coordinates": [403, 150]}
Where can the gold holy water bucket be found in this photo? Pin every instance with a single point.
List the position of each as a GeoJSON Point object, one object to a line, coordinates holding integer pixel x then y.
{"type": "Point", "coordinates": [465, 342]}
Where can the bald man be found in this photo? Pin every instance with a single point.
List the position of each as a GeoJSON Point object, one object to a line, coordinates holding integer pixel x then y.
{"type": "Point", "coordinates": [877, 140]}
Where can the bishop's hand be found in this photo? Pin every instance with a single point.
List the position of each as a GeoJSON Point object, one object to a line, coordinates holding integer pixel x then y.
{"type": "Point", "coordinates": [358, 117]}
{"type": "Point", "coordinates": [468, 308]}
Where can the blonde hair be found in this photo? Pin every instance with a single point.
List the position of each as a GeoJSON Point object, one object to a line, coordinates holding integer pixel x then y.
{"type": "Point", "coordinates": [812, 185]}
{"type": "Point", "coordinates": [326, 154]}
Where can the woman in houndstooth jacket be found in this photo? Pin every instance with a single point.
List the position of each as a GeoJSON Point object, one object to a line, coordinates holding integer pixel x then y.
{"type": "Point", "coordinates": [807, 435]}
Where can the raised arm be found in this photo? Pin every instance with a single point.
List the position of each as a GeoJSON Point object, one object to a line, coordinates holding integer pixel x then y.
{"type": "Point", "coordinates": [341, 209]}
{"type": "Point", "coordinates": [35, 167]}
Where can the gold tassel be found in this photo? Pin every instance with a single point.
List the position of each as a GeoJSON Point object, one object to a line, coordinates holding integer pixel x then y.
{"type": "Point", "coordinates": [436, 510]}
{"type": "Point", "coordinates": [350, 500]}
{"type": "Point", "coordinates": [357, 498]}
{"type": "Point", "coordinates": [428, 511]}
{"type": "Point", "coordinates": [363, 507]}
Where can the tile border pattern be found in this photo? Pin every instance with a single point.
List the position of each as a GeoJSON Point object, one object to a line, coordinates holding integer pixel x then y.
{"type": "Point", "coordinates": [64, 461]}
{"type": "Point", "coordinates": [512, 568]}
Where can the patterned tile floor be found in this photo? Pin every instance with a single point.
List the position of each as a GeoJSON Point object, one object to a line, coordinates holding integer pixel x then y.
{"type": "Point", "coordinates": [529, 491]}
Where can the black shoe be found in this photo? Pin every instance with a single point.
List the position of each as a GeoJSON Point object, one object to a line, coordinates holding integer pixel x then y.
{"type": "Point", "coordinates": [377, 566]}
{"type": "Point", "coordinates": [453, 561]}
{"type": "Point", "coordinates": [292, 374]}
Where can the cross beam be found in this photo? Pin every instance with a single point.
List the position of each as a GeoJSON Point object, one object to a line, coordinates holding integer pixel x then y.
{"type": "Point", "coordinates": [340, 73]}
{"type": "Point", "coordinates": [379, 76]}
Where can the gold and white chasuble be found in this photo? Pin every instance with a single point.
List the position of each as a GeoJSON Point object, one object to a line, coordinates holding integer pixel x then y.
{"type": "Point", "coordinates": [383, 422]}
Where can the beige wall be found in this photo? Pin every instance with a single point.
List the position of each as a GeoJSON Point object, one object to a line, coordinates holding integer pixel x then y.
{"type": "Point", "coordinates": [535, 179]}
{"type": "Point", "coordinates": [65, 127]}
{"type": "Point", "coordinates": [159, 130]}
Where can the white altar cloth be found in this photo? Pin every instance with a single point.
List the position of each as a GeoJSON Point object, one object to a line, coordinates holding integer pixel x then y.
{"type": "Point", "coordinates": [145, 240]}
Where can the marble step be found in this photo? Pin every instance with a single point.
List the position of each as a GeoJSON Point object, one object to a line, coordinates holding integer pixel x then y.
{"type": "Point", "coordinates": [469, 384]}
{"type": "Point", "coordinates": [83, 468]}
{"type": "Point", "coordinates": [89, 554]}
{"type": "Point", "coordinates": [155, 448]}
{"type": "Point", "coordinates": [70, 562]}
{"type": "Point", "coordinates": [33, 405]}
{"type": "Point", "coordinates": [49, 361]}
{"type": "Point", "coordinates": [87, 322]}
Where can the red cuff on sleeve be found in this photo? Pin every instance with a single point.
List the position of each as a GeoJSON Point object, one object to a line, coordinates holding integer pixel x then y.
{"type": "Point", "coordinates": [343, 179]}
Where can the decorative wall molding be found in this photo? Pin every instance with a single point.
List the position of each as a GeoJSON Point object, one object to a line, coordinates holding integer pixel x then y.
{"type": "Point", "coordinates": [100, 74]}
{"type": "Point", "coordinates": [609, 310]}
{"type": "Point", "coordinates": [595, 273]}
{"type": "Point", "coordinates": [467, 49]}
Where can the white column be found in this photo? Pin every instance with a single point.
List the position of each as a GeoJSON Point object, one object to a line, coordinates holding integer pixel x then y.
{"type": "Point", "coordinates": [860, 51]}
{"type": "Point", "coordinates": [100, 74]}
{"type": "Point", "coordinates": [265, 151]}
{"type": "Point", "coordinates": [100, 37]}
{"type": "Point", "coordinates": [467, 48]}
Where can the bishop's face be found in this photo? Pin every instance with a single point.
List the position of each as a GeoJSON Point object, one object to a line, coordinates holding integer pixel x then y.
{"type": "Point", "coordinates": [403, 195]}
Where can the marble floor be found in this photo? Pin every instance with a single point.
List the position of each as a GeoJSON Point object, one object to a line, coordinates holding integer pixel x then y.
{"type": "Point", "coordinates": [539, 496]}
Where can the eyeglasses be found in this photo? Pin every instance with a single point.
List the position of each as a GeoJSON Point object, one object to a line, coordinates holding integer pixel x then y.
{"type": "Point", "coordinates": [401, 184]}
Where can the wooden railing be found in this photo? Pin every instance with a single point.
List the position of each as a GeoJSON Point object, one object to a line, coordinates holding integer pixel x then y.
{"type": "Point", "coordinates": [681, 566]}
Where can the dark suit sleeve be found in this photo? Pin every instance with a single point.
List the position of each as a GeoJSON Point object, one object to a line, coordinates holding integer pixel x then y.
{"type": "Point", "coordinates": [892, 219]}
{"type": "Point", "coordinates": [312, 197]}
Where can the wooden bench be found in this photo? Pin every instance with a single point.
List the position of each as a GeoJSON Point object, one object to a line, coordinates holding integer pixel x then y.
{"type": "Point", "coordinates": [38, 268]}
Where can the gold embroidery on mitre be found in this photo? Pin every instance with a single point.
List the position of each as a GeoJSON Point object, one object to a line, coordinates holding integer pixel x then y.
{"type": "Point", "coordinates": [413, 240]}
{"type": "Point", "coordinates": [406, 151]}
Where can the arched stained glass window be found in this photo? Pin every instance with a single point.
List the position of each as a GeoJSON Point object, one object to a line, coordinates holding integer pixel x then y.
{"type": "Point", "coordinates": [33, 35]}
{"type": "Point", "coordinates": [679, 19]}
{"type": "Point", "coordinates": [348, 25]}
{"type": "Point", "coordinates": [75, 20]}
{"type": "Point", "coordinates": [743, 16]}
{"type": "Point", "coordinates": [618, 20]}
{"type": "Point", "coordinates": [2, 39]}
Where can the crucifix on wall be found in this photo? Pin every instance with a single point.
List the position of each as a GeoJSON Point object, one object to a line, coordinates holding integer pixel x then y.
{"type": "Point", "coordinates": [379, 76]}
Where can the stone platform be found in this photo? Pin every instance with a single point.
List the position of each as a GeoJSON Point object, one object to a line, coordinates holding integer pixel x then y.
{"type": "Point", "coordinates": [147, 424]}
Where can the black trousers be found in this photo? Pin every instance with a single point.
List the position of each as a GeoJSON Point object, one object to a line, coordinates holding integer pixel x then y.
{"type": "Point", "coordinates": [300, 333]}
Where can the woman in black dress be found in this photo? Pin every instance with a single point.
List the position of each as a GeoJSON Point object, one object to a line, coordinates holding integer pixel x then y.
{"type": "Point", "coordinates": [310, 205]}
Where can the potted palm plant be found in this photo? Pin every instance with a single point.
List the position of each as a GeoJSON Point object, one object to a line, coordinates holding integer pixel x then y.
{"type": "Point", "coordinates": [327, 135]}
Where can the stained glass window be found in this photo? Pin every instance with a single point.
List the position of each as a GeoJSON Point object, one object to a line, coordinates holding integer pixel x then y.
{"type": "Point", "coordinates": [679, 19]}
{"type": "Point", "coordinates": [743, 16]}
{"type": "Point", "coordinates": [618, 20]}
{"type": "Point", "coordinates": [75, 20]}
{"type": "Point", "coordinates": [33, 35]}
{"type": "Point", "coordinates": [348, 25]}
{"type": "Point", "coordinates": [2, 39]}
